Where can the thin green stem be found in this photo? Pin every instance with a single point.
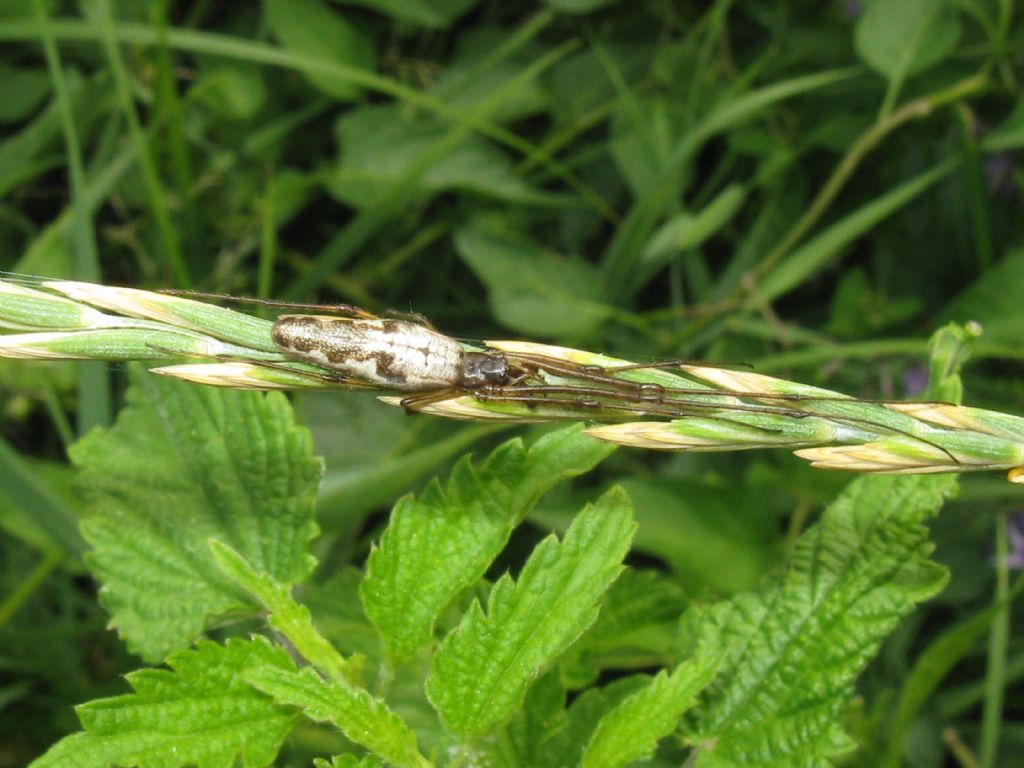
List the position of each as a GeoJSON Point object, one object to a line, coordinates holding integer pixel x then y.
{"type": "Point", "coordinates": [94, 379]}
{"type": "Point", "coordinates": [28, 585]}
{"type": "Point", "coordinates": [857, 350]}
{"type": "Point", "coordinates": [169, 108]}
{"type": "Point", "coordinates": [981, 226]}
{"type": "Point", "coordinates": [1002, 44]}
{"type": "Point", "coordinates": [1005, 20]}
{"type": "Point", "coordinates": [423, 237]}
{"type": "Point", "coordinates": [998, 644]}
{"type": "Point", "coordinates": [57, 415]}
{"type": "Point", "coordinates": [151, 179]}
{"type": "Point", "coordinates": [268, 240]}
{"type": "Point", "coordinates": [86, 258]}
{"type": "Point", "coordinates": [892, 93]}
{"type": "Point", "coordinates": [857, 152]}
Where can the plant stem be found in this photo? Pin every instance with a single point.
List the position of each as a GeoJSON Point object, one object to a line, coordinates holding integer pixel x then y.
{"type": "Point", "coordinates": [870, 139]}
{"type": "Point", "coordinates": [998, 642]}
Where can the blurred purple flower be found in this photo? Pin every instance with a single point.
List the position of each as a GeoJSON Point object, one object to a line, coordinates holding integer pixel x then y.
{"type": "Point", "coordinates": [915, 379]}
{"type": "Point", "coordinates": [852, 9]}
{"type": "Point", "coordinates": [1015, 535]}
{"type": "Point", "coordinates": [999, 172]}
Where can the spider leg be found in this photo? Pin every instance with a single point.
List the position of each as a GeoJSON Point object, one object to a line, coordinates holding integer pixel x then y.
{"type": "Point", "coordinates": [341, 309]}
{"type": "Point", "coordinates": [645, 391]}
{"type": "Point", "coordinates": [415, 403]}
{"type": "Point", "coordinates": [592, 399]}
{"type": "Point", "coordinates": [530, 398]}
{"type": "Point", "coordinates": [674, 363]}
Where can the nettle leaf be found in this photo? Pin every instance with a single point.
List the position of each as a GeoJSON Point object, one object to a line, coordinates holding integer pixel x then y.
{"type": "Point", "coordinates": [633, 728]}
{"type": "Point", "coordinates": [441, 543]}
{"type": "Point", "coordinates": [363, 718]}
{"type": "Point", "coordinates": [287, 616]}
{"type": "Point", "coordinates": [183, 465]}
{"type": "Point", "coordinates": [313, 30]}
{"type": "Point", "coordinates": [482, 670]}
{"type": "Point", "coordinates": [199, 712]}
{"type": "Point", "coordinates": [899, 38]}
{"type": "Point", "coordinates": [796, 648]}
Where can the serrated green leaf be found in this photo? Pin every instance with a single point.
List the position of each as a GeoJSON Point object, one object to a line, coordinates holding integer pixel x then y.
{"type": "Point", "coordinates": [899, 38]}
{"type": "Point", "coordinates": [181, 466]}
{"type": "Point", "coordinates": [441, 543]}
{"type": "Point", "coordinates": [633, 728]}
{"type": "Point", "coordinates": [796, 647]}
{"type": "Point", "coordinates": [197, 713]}
{"type": "Point", "coordinates": [363, 718]}
{"type": "Point", "coordinates": [482, 670]}
{"type": "Point", "coordinates": [286, 615]}
{"type": "Point", "coordinates": [311, 29]}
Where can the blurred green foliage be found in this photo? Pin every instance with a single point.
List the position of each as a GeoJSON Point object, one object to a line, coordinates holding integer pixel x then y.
{"type": "Point", "coordinates": [811, 188]}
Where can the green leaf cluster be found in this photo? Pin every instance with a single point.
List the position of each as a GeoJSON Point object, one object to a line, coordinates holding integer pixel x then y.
{"type": "Point", "coordinates": [762, 677]}
{"type": "Point", "coordinates": [176, 472]}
